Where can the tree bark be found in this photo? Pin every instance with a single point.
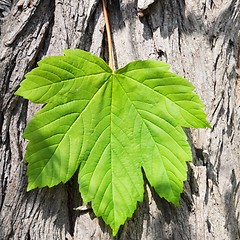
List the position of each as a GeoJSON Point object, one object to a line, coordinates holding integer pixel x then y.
{"type": "Point", "coordinates": [200, 40]}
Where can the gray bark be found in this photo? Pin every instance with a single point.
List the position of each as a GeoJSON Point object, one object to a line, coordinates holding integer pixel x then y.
{"type": "Point", "coordinates": [201, 41]}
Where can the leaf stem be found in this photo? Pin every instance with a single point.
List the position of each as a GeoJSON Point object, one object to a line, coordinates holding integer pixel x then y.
{"type": "Point", "coordinates": [109, 37]}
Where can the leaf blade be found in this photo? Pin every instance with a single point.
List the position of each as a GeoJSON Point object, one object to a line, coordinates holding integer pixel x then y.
{"type": "Point", "coordinates": [112, 125]}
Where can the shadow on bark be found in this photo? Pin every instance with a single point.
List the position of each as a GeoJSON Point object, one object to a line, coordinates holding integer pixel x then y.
{"type": "Point", "coordinates": [232, 203]}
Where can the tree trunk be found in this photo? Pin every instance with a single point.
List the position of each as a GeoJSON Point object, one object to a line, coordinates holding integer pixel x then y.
{"type": "Point", "coordinates": [201, 41]}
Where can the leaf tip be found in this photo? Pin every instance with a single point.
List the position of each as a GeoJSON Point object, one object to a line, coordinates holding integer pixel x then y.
{"type": "Point", "coordinates": [30, 187]}
{"type": "Point", "coordinates": [18, 92]}
{"type": "Point", "coordinates": [114, 232]}
{"type": "Point", "coordinates": [115, 228]}
{"type": "Point", "coordinates": [177, 203]}
{"type": "Point", "coordinates": [208, 125]}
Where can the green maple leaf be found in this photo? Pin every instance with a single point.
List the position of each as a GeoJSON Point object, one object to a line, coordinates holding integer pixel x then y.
{"type": "Point", "coordinates": [110, 126]}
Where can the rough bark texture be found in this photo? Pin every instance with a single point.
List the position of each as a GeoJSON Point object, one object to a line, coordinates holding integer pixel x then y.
{"type": "Point", "coordinates": [201, 41]}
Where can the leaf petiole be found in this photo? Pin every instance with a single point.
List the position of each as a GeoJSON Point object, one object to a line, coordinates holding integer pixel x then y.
{"type": "Point", "coordinates": [109, 37]}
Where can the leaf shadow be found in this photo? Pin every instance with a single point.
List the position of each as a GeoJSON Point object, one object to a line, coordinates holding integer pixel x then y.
{"type": "Point", "coordinates": [48, 206]}
{"type": "Point", "coordinates": [232, 208]}
{"type": "Point", "coordinates": [158, 217]}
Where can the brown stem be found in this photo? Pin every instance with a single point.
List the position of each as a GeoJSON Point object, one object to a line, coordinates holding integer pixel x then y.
{"type": "Point", "coordinates": [109, 37]}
